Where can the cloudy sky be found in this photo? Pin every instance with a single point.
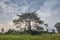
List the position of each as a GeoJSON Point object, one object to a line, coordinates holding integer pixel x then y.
{"type": "Point", "coordinates": [47, 10]}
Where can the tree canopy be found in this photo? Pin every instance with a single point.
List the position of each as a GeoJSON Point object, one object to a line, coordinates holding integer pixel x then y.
{"type": "Point", "coordinates": [57, 25]}
{"type": "Point", "coordinates": [28, 18]}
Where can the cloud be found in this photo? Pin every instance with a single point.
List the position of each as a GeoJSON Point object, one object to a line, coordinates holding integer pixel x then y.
{"type": "Point", "coordinates": [9, 12]}
{"type": "Point", "coordinates": [49, 13]}
{"type": "Point", "coordinates": [9, 8]}
{"type": "Point", "coordinates": [46, 12]}
{"type": "Point", "coordinates": [3, 26]}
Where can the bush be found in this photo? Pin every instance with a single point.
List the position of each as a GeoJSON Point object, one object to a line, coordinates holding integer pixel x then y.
{"type": "Point", "coordinates": [10, 31]}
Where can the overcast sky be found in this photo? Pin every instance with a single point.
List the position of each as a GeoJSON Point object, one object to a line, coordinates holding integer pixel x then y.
{"type": "Point", "coordinates": [47, 10]}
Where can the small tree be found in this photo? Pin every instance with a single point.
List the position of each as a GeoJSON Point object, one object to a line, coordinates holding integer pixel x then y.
{"type": "Point", "coordinates": [46, 25]}
{"type": "Point", "coordinates": [2, 30]}
{"type": "Point", "coordinates": [57, 25]}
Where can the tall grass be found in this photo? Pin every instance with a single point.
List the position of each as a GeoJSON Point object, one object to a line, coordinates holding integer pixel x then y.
{"type": "Point", "coordinates": [31, 37]}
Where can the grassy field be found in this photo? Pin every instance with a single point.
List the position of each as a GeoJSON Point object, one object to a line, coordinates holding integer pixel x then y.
{"type": "Point", "coordinates": [31, 37]}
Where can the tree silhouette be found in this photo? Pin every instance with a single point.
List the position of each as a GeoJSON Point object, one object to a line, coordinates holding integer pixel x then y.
{"type": "Point", "coordinates": [2, 30]}
{"type": "Point", "coordinates": [46, 25]}
{"type": "Point", "coordinates": [27, 18]}
{"type": "Point", "coordinates": [57, 25]}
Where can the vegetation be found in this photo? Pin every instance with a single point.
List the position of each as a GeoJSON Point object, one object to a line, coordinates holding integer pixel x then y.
{"type": "Point", "coordinates": [57, 25]}
{"type": "Point", "coordinates": [27, 18]}
{"type": "Point", "coordinates": [30, 37]}
{"type": "Point", "coordinates": [2, 30]}
{"type": "Point", "coordinates": [10, 31]}
{"type": "Point", "coordinates": [23, 34]}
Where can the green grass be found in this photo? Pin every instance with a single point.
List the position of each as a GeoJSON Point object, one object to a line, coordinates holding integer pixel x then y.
{"type": "Point", "coordinates": [31, 37]}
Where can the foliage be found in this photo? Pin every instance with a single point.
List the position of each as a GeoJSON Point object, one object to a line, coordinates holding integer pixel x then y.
{"type": "Point", "coordinates": [2, 30]}
{"type": "Point", "coordinates": [10, 31]}
{"type": "Point", "coordinates": [30, 37]}
{"type": "Point", "coordinates": [57, 25]}
{"type": "Point", "coordinates": [28, 18]}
